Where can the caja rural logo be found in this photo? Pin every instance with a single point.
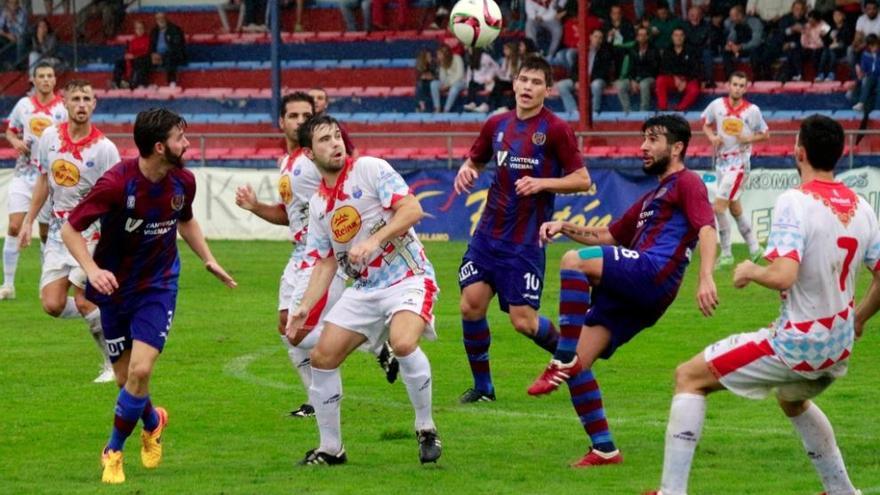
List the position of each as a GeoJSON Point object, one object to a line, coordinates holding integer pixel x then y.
{"type": "Point", "coordinates": [65, 173]}
{"type": "Point", "coordinates": [39, 124]}
{"type": "Point", "coordinates": [345, 223]}
{"type": "Point", "coordinates": [284, 189]}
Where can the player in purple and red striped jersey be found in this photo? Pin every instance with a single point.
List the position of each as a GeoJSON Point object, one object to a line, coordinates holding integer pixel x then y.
{"type": "Point", "coordinates": [635, 266]}
{"type": "Point", "coordinates": [142, 203]}
{"type": "Point", "coordinates": [536, 156]}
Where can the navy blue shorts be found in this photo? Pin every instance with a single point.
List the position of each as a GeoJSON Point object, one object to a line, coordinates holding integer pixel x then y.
{"type": "Point", "coordinates": [627, 300]}
{"type": "Point", "coordinates": [514, 271]}
{"type": "Point", "coordinates": [145, 317]}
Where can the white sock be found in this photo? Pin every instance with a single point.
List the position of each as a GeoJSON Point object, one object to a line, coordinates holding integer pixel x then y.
{"type": "Point", "coordinates": [325, 394]}
{"type": "Point", "coordinates": [682, 434]}
{"type": "Point", "coordinates": [745, 229]}
{"type": "Point", "coordinates": [69, 310]}
{"type": "Point", "coordinates": [416, 372]}
{"type": "Point", "coordinates": [94, 321]}
{"type": "Point", "coordinates": [10, 260]}
{"type": "Point", "coordinates": [818, 438]}
{"type": "Point", "coordinates": [724, 233]}
{"type": "Point", "coordinates": [299, 359]}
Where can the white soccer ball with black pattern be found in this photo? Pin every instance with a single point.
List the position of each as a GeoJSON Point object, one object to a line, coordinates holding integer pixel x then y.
{"type": "Point", "coordinates": [475, 23]}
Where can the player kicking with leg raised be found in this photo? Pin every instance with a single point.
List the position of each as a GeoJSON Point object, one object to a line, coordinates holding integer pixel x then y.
{"type": "Point", "coordinates": [820, 233]}
{"type": "Point", "coordinates": [297, 184]}
{"type": "Point", "coordinates": [142, 203]}
{"type": "Point", "coordinates": [635, 267]}
{"type": "Point", "coordinates": [361, 220]}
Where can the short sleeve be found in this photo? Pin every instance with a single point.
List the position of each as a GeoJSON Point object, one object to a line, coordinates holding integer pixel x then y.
{"type": "Point", "coordinates": [872, 254]}
{"type": "Point", "coordinates": [624, 228]}
{"type": "Point", "coordinates": [695, 202]}
{"type": "Point", "coordinates": [103, 198]}
{"type": "Point", "coordinates": [566, 148]}
{"type": "Point", "coordinates": [786, 229]}
{"type": "Point", "coordinates": [481, 150]}
{"type": "Point", "coordinates": [112, 156]}
{"type": "Point", "coordinates": [318, 245]}
{"type": "Point", "coordinates": [15, 117]}
{"type": "Point", "coordinates": [189, 189]}
{"type": "Point", "coordinates": [390, 186]}
{"type": "Point", "coordinates": [759, 125]}
{"type": "Point", "coordinates": [708, 115]}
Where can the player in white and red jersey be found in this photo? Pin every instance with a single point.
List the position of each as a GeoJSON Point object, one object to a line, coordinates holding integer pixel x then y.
{"type": "Point", "coordinates": [30, 116]}
{"type": "Point", "coordinates": [297, 183]}
{"type": "Point", "coordinates": [70, 157]}
{"type": "Point", "coordinates": [361, 220]}
{"type": "Point", "coordinates": [732, 125]}
{"type": "Point", "coordinates": [819, 235]}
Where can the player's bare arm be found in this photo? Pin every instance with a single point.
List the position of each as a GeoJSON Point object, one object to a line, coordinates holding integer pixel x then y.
{"type": "Point", "coordinates": [754, 138]}
{"type": "Point", "coordinates": [467, 176]}
{"type": "Point", "coordinates": [711, 135]}
{"type": "Point", "coordinates": [591, 236]}
{"type": "Point", "coordinates": [407, 213]}
{"type": "Point", "coordinates": [319, 283]}
{"type": "Point", "coordinates": [781, 274]}
{"type": "Point", "coordinates": [246, 198]}
{"type": "Point", "coordinates": [102, 280]}
{"type": "Point", "coordinates": [17, 142]}
{"type": "Point", "coordinates": [707, 293]}
{"type": "Point", "coordinates": [574, 182]}
{"type": "Point", "coordinates": [869, 305]}
{"type": "Point", "coordinates": [38, 197]}
{"type": "Point", "coordinates": [192, 234]}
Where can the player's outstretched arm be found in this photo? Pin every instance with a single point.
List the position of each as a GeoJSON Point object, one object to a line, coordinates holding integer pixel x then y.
{"type": "Point", "coordinates": [576, 181]}
{"type": "Point", "coordinates": [102, 280]}
{"type": "Point", "coordinates": [407, 212]}
{"type": "Point", "coordinates": [467, 176]}
{"type": "Point", "coordinates": [192, 234]}
{"type": "Point", "coordinates": [707, 293]}
{"type": "Point", "coordinates": [319, 283]}
{"type": "Point", "coordinates": [591, 236]}
{"type": "Point", "coordinates": [38, 197]}
{"type": "Point", "coordinates": [869, 305]}
{"type": "Point", "coordinates": [781, 274]}
{"type": "Point", "coordinates": [246, 198]}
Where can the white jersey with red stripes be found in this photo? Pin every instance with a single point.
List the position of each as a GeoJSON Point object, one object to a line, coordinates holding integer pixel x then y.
{"type": "Point", "coordinates": [349, 213]}
{"type": "Point", "coordinates": [29, 118]}
{"type": "Point", "coordinates": [744, 120]}
{"type": "Point", "coordinates": [829, 230]}
{"type": "Point", "coordinates": [73, 168]}
{"type": "Point", "coordinates": [297, 184]}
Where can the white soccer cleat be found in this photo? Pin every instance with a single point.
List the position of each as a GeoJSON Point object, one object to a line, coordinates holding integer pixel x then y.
{"type": "Point", "coordinates": [106, 376]}
{"type": "Point", "coordinates": [7, 293]}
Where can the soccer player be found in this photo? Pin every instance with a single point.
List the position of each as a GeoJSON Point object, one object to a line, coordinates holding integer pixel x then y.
{"type": "Point", "coordinates": [820, 232]}
{"type": "Point", "coordinates": [635, 267]}
{"type": "Point", "coordinates": [70, 158]}
{"type": "Point", "coordinates": [297, 184]}
{"type": "Point", "coordinates": [142, 203]}
{"type": "Point", "coordinates": [361, 220]}
{"type": "Point", "coordinates": [732, 125]}
{"type": "Point", "coordinates": [30, 116]}
{"type": "Point", "coordinates": [322, 103]}
{"type": "Point", "coordinates": [536, 156]}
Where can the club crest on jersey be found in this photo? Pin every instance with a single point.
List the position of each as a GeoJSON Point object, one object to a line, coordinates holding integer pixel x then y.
{"type": "Point", "coordinates": [357, 193]}
{"type": "Point", "coordinates": [296, 171]}
{"type": "Point", "coordinates": [501, 158]}
{"type": "Point", "coordinates": [129, 202]}
{"type": "Point", "coordinates": [65, 173]}
{"type": "Point", "coordinates": [177, 202]}
{"type": "Point", "coordinates": [539, 138]}
{"type": "Point", "coordinates": [345, 224]}
{"type": "Point", "coordinates": [39, 124]}
{"type": "Point", "coordinates": [284, 189]}
{"type": "Point", "coordinates": [90, 164]}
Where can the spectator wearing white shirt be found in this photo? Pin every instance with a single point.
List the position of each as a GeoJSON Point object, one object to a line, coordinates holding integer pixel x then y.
{"type": "Point", "coordinates": [546, 15]}
{"type": "Point", "coordinates": [450, 77]}
{"type": "Point", "coordinates": [480, 76]}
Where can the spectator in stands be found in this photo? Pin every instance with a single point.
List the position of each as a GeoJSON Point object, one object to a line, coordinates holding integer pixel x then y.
{"type": "Point", "coordinates": [501, 97]}
{"type": "Point", "coordinates": [566, 89]}
{"type": "Point", "coordinates": [112, 13]}
{"type": "Point", "coordinates": [545, 15]}
{"type": "Point", "coordinates": [680, 72]}
{"type": "Point", "coordinates": [567, 53]}
{"type": "Point", "coordinates": [663, 25]}
{"type": "Point", "coordinates": [769, 11]}
{"type": "Point", "coordinates": [813, 40]}
{"type": "Point", "coordinates": [698, 34]}
{"type": "Point", "coordinates": [839, 39]}
{"type": "Point", "coordinates": [231, 6]}
{"type": "Point", "coordinates": [744, 36]}
{"type": "Point", "coordinates": [13, 32]}
{"type": "Point", "coordinates": [43, 46]}
{"type": "Point", "coordinates": [868, 72]}
{"type": "Point", "coordinates": [640, 73]}
{"type": "Point", "coordinates": [450, 71]}
{"type": "Point", "coordinates": [601, 67]}
{"type": "Point", "coordinates": [347, 8]}
{"type": "Point", "coordinates": [426, 74]}
{"type": "Point", "coordinates": [619, 35]}
{"type": "Point", "coordinates": [322, 100]}
{"type": "Point", "coordinates": [133, 70]}
{"type": "Point", "coordinates": [49, 6]}
{"type": "Point", "coordinates": [867, 24]}
{"type": "Point", "coordinates": [480, 76]}
{"type": "Point", "coordinates": [255, 16]}
{"type": "Point", "coordinates": [378, 13]}
{"type": "Point", "coordinates": [167, 47]}
{"type": "Point", "coordinates": [717, 42]}
{"type": "Point", "coordinates": [792, 25]}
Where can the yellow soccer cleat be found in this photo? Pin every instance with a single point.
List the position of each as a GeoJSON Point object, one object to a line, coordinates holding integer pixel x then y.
{"type": "Point", "coordinates": [112, 462]}
{"type": "Point", "coordinates": [151, 441]}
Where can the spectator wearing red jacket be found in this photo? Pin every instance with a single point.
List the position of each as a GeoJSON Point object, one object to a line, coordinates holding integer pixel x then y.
{"type": "Point", "coordinates": [133, 69]}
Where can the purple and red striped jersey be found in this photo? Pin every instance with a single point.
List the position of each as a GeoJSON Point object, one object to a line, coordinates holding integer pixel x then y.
{"type": "Point", "coordinates": [665, 224]}
{"type": "Point", "coordinates": [542, 146]}
{"type": "Point", "coordinates": [138, 227]}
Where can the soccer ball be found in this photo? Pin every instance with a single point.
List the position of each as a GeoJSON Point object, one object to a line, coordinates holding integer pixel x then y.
{"type": "Point", "coordinates": [475, 23]}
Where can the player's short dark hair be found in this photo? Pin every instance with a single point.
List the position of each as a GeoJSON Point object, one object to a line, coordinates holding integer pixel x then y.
{"type": "Point", "coordinates": [535, 62]}
{"type": "Point", "coordinates": [76, 84]}
{"type": "Point", "coordinates": [739, 75]}
{"type": "Point", "coordinates": [295, 96]}
{"type": "Point", "coordinates": [306, 131]}
{"type": "Point", "coordinates": [822, 138]}
{"type": "Point", "coordinates": [871, 2]}
{"type": "Point", "coordinates": [153, 126]}
{"type": "Point", "coordinates": [674, 126]}
{"type": "Point", "coordinates": [44, 64]}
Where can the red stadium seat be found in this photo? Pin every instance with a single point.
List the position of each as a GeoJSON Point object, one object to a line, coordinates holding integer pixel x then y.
{"type": "Point", "coordinates": [600, 151]}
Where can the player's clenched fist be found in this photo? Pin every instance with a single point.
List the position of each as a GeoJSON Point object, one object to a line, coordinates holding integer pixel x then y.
{"type": "Point", "coordinates": [465, 179]}
{"type": "Point", "coordinates": [296, 320]}
{"type": "Point", "coordinates": [549, 230]}
{"type": "Point", "coordinates": [104, 281]}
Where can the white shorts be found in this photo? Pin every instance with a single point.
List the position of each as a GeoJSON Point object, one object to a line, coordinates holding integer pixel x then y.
{"type": "Point", "coordinates": [287, 284]}
{"type": "Point", "coordinates": [730, 184]}
{"type": "Point", "coordinates": [369, 312]}
{"type": "Point", "coordinates": [294, 283]}
{"type": "Point", "coordinates": [19, 195]}
{"type": "Point", "coordinates": [746, 365]}
{"type": "Point", "coordinates": [58, 263]}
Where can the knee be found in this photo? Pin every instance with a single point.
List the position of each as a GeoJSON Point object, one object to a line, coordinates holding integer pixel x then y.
{"type": "Point", "coordinates": [121, 377]}
{"type": "Point", "coordinates": [53, 308]}
{"type": "Point", "coordinates": [736, 209]}
{"type": "Point", "coordinates": [794, 409]}
{"type": "Point", "coordinates": [13, 230]}
{"type": "Point", "coordinates": [404, 348]}
{"type": "Point", "coordinates": [526, 325]}
{"type": "Point", "coordinates": [322, 360]}
{"type": "Point", "coordinates": [138, 374]}
{"type": "Point", "coordinates": [471, 311]}
{"type": "Point", "coordinates": [719, 208]}
{"type": "Point", "coordinates": [685, 377]}
{"type": "Point", "coordinates": [83, 305]}
{"type": "Point", "coordinates": [570, 261]}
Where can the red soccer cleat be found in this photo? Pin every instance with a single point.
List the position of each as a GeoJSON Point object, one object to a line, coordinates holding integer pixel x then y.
{"type": "Point", "coordinates": [597, 458]}
{"type": "Point", "coordinates": [553, 376]}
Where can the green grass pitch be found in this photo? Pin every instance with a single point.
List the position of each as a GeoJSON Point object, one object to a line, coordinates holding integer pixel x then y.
{"type": "Point", "coordinates": [227, 384]}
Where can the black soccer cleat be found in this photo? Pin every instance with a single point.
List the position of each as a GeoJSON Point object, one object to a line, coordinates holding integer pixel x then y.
{"type": "Point", "coordinates": [388, 362]}
{"type": "Point", "coordinates": [472, 395]}
{"type": "Point", "coordinates": [429, 446]}
{"type": "Point", "coordinates": [304, 411]}
{"type": "Point", "coordinates": [315, 457]}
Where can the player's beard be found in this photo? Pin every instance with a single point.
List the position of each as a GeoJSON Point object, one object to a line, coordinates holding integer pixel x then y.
{"type": "Point", "coordinates": [176, 160]}
{"type": "Point", "coordinates": [658, 165]}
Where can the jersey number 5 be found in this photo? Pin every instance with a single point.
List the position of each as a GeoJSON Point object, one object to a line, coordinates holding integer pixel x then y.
{"type": "Point", "coordinates": [850, 245]}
